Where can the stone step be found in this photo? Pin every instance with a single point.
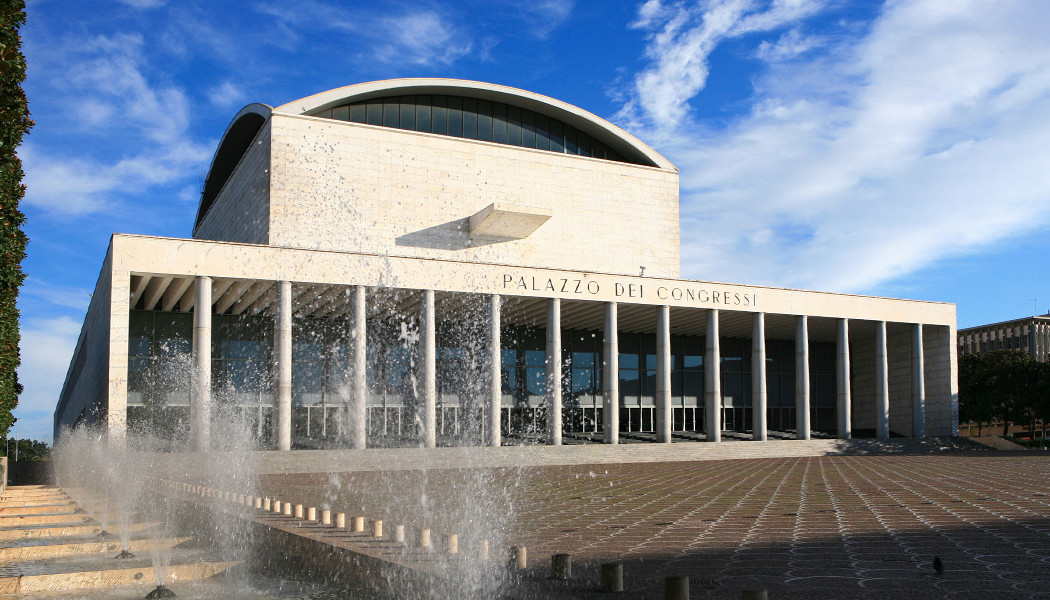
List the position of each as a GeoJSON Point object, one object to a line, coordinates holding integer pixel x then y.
{"type": "Point", "coordinates": [43, 509]}
{"type": "Point", "coordinates": [26, 503]}
{"type": "Point", "coordinates": [111, 546]}
{"type": "Point", "coordinates": [76, 580]}
{"type": "Point", "coordinates": [52, 531]}
{"type": "Point", "coordinates": [21, 520]}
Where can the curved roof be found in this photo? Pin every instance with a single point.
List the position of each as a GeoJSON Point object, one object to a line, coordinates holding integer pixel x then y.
{"type": "Point", "coordinates": [246, 125]}
{"type": "Point", "coordinates": [234, 143]}
{"type": "Point", "coordinates": [626, 144]}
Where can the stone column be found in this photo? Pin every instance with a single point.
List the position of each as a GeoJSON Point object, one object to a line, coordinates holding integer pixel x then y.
{"type": "Point", "coordinates": [882, 383]}
{"type": "Point", "coordinates": [359, 349]}
{"type": "Point", "coordinates": [429, 371]}
{"type": "Point", "coordinates": [283, 341]}
{"type": "Point", "coordinates": [713, 379]}
{"type": "Point", "coordinates": [802, 426]}
{"type": "Point", "coordinates": [918, 383]}
{"type": "Point", "coordinates": [554, 370]}
{"type": "Point", "coordinates": [758, 377]}
{"type": "Point", "coordinates": [664, 411]}
{"type": "Point", "coordinates": [495, 377]}
{"type": "Point", "coordinates": [611, 377]}
{"type": "Point", "coordinates": [844, 405]}
{"type": "Point", "coordinates": [201, 409]}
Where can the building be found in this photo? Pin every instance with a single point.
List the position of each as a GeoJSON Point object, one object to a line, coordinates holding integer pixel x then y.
{"type": "Point", "coordinates": [1031, 334]}
{"type": "Point", "coordinates": [441, 262]}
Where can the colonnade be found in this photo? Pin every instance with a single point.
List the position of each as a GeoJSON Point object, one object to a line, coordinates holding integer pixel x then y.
{"type": "Point", "coordinates": [200, 408]}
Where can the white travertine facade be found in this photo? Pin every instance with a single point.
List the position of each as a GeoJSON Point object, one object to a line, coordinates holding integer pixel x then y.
{"type": "Point", "coordinates": [357, 229]}
{"type": "Point", "coordinates": [343, 186]}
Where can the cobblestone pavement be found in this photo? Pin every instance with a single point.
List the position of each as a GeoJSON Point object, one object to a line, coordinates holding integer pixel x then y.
{"type": "Point", "coordinates": [810, 527]}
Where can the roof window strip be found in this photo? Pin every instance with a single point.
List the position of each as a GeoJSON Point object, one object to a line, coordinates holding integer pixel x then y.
{"type": "Point", "coordinates": [476, 119]}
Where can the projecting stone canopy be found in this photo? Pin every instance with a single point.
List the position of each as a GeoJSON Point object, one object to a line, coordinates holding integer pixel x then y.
{"type": "Point", "coordinates": [507, 221]}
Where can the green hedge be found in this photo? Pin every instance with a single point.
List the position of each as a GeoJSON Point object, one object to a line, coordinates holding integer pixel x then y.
{"type": "Point", "coordinates": [14, 123]}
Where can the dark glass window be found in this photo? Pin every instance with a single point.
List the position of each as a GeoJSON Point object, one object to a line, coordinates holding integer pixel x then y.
{"type": "Point", "coordinates": [543, 133]}
{"type": "Point", "coordinates": [499, 123]}
{"type": "Point", "coordinates": [375, 112]}
{"type": "Point", "coordinates": [584, 142]}
{"type": "Point", "coordinates": [455, 116]}
{"type": "Point", "coordinates": [528, 129]}
{"type": "Point", "coordinates": [570, 141]}
{"type": "Point", "coordinates": [358, 112]}
{"type": "Point", "coordinates": [484, 120]}
{"type": "Point", "coordinates": [470, 118]}
{"type": "Point", "coordinates": [557, 136]}
{"type": "Point", "coordinates": [391, 113]}
{"type": "Point", "coordinates": [475, 119]}
{"type": "Point", "coordinates": [423, 114]}
{"type": "Point", "coordinates": [408, 112]}
{"type": "Point", "coordinates": [440, 115]}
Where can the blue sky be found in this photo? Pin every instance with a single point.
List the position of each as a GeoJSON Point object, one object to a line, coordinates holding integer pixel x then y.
{"type": "Point", "coordinates": [892, 148]}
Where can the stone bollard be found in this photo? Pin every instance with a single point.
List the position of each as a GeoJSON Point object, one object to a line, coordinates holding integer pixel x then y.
{"type": "Point", "coordinates": [377, 528]}
{"type": "Point", "coordinates": [359, 524]}
{"type": "Point", "coordinates": [259, 502]}
{"type": "Point", "coordinates": [340, 520]}
{"type": "Point", "coordinates": [399, 534]}
{"type": "Point", "coordinates": [311, 514]}
{"type": "Point", "coordinates": [424, 539]}
{"type": "Point", "coordinates": [519, 557]}
{"type": "Point", "coordinates": [453, 543]}
{"type": "Point", "coordinates": [747, 595]}
{"type": "Point", "coordinates": [561, 567]}
{"type": "Point", "coordinates": [287, 509]}
{"type": "Point", "coordinates": [612, 577]}
{"type": "Point", "coordinates": [483, 550]}
{"type": "Point", "coordinates": [267, 504]}
{"type": "Point", "coordinates": [298, 511]}
{"type": "Point", "coordinates": [277, 506]}
{"type": "Point", "coordinates": [676, 588]}
{"type": "Point", "coordinates": [326, 517]}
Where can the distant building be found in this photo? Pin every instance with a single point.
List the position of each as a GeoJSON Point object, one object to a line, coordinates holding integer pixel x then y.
{"type": "Point", "coordinates": [1031, 334]}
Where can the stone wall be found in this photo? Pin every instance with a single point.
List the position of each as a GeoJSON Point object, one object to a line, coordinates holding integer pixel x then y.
{"type": "Point", "coordinates": [85, 390]}
{"type": "Point", "coordinates": [241, 211]}
{"type": "Point", "coordinates": [346, 186]}
{"type": "Point", "coordinates": [862, 382]}
{"type": "Point", "coordinates": [898, 346]}
{"type": "Point", "coordinates": [942, 391]}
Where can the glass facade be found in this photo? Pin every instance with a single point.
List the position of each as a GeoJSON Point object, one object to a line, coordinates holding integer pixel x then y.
{"type": "Point", "coordinates": [159, 369]}
{"type": "Point", "coordinates": [242, 378]}
{"type": "Point", "coordinates": [475, 119]}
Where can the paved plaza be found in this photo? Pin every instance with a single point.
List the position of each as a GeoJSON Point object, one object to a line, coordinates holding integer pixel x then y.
{"type": "Point", "coordinates": [801, 527]}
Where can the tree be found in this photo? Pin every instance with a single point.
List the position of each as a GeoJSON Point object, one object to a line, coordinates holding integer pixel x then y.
{"type": "Point", "coordinates": [1004, 384]}
{"type": "Point", "coordinates": [976, 400]}
{"type": "Point", "coordinates": [27, 449]}
{"type": "Point", "coordinates": [14, 123]}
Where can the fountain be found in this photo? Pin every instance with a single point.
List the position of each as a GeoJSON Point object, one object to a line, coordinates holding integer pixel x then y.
{"type": "Point", "coordinates": [464, 512]}
{"type": "Point", "coordinates": [160, 592]}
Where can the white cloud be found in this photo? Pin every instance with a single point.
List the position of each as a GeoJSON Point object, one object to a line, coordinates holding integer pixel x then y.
{"type": "Point", "coordinates": [681, 39]}
{"type": "Point", "coordinates": [104, 79]}
{"type": "Point", "coordinates": [226, 95]}
{"type": "Point", "coordinates": [47, 347]}
{"type": "Point", "coordinates": [58, 295]}
{"type": "Point", "coordinates": [923, 139]}
{"type": "Point", "coordinates": [788, 46]}
{"type": "Point", "coordinates": [547, 15]}
{"type": "Point", "coordinates": [143, 4]}
{"type": "Point", "coordinates": [421, 38]}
